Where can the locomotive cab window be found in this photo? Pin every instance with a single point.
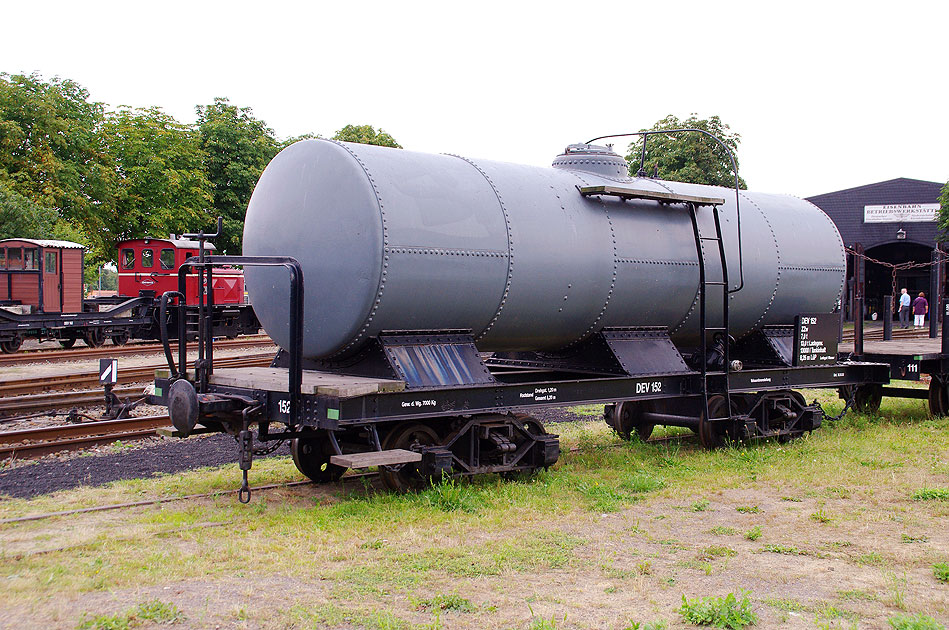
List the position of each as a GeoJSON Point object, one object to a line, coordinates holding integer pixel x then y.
{"type": "Point", "coordinates": [29, 258]}
{"type": "Point", "coordinates": [148, 258]}
{"type": "Point", "coordinates": [51, 262]}
{"type": "Point", "coordinates": [167, 259]}
{"type": "Point", "coordinates": [128, 258]}
{"type": "Point", "coordinates": [14, 258]}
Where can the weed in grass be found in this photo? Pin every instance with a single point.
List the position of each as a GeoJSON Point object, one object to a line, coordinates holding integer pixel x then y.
{"type": "Point", "coordinates": [640, 483]}
{"type": "Point", "coordinates": [154, 611]}
{"type": "Point", "coordinates": [880, 465]}
{"type": "Point", "coordinates": [790, 605]}
{"type": "Point", "coordinates": [721, 612]}
{"type": "Point", "coordinates": [787, 550]}
{"type": "Point", "coordinates": [716, 551]}
{"type": "Point", "coordinates": [384, 620]}
{"type": "Point", "coordinates": [941, 571]}
{"type": "Point", "coordinates": [856, 595]}
{"type": "Point", "coordinates": [451, 495]}
{"type": "Point", "coordinates": [931, 494]}
{"type": "Point", "coordinates": [644, 567]}
{"type": "Point", "coordinates": [748, 509]}
{"type": "Point", "coordinates": [602, 497]}
{"type": "Point", "coordinates": [376, 543]}
{"type": "Point", "coordinates": [839, 492]}
{"type": "Point", "coordinates": [445, 602]}
{"type": "Point", "coordinates": [870, 559]}
{"type": "Point", "coordinates": [649, 625]}
{"type": "Point", "coordinates": [699, 506]}
{"type": "Point", "coordinates": [722, 531]}
{"type": "Point", "coordinates": [906, 538]}
{"type": "Point", "coordinates": [539, 623]}
{"type": "Point", "coordinates": [754, 533]}
{"type": "Point", "coordinates": [914, 622]}
{"type": "Point", "coordinates": [820, 516]}
{"type": "Point", "coordinates": [896, 586]}
{"type": "Point", "coordinates": [792, 499]}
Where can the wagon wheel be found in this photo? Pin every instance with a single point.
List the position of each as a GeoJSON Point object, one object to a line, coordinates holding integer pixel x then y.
{"type": "Point", "coordinates": [627, 417]}
{"type": "Point", "coordinates": [868, 398]}
{"type": "Point", "coordinates": [11, 345]}
{"type": "Point", "coordinates": [714, 434]}
{"type": "Point", "coordinates": [120, 338]}
{"type": "Point", "coordinates": [938, 397]}
{"type": "Point", "coordinates": [530, 424]}
{"type": "Point", "coordinates": [93, 337]}
{"type": "Point", "coordinates": [67, 343]}
{"type": "Point", "coordinates": [411, 436]}
{"type": "Point", "coordinates": [311, 455]}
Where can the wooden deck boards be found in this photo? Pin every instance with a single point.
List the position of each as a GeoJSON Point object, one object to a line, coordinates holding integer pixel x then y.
{"type": "Point", "coordinates": [914, 346]}
{"type": "Point", "coordinates": [327, 384]}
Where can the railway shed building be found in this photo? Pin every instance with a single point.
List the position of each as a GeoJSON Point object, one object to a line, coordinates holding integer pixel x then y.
{"type": "Point", "coordinates": [894, 222]}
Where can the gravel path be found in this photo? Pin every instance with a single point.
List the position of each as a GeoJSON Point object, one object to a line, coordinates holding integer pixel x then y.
{"type": "Point", "coordinates": [160, 456]}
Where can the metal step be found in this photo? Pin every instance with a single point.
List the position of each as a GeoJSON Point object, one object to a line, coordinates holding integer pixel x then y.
{"type": "Point", "coordinates": [376, 458]}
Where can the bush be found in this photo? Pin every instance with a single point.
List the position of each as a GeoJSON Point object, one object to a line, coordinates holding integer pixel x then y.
{"type": "Point", "coordinates": [720, 612]}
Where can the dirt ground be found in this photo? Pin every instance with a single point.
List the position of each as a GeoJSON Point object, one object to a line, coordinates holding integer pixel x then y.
{"type": "Point", "coordinates": [634, 564]}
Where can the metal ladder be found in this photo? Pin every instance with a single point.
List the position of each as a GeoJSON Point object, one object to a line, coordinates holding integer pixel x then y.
{"type": "Point", "coordinates": [704, 285]}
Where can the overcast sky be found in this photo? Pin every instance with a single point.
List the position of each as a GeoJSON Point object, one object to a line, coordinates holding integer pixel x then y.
{"type": "Point", "coordinates": [826, 95]}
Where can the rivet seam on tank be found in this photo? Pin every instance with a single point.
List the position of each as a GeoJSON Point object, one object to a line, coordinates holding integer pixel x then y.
{"type": "Point", "coordinates": [385, 243]}
{"type": "Point", "coordinates": [777, 251]}
{"type": "Point", "coordinates": [510, 247]}
{"type": "Point", "coordinates": [843, 255]}
{"type": "Point", "coordinates": [609, 295]}
{"type": "Point", "coordinates": [435, 251]}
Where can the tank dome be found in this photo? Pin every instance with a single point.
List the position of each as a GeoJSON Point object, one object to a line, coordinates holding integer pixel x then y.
{"type": "Point", "coordinates": [592, 158]}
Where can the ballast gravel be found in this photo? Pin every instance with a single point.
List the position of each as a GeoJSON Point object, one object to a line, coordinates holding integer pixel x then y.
{"type": "Point", "coordinates": [158, 456]}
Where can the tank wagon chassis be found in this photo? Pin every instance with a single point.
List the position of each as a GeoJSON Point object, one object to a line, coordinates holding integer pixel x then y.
{"type": "Point", "coordinates": [419, 404]}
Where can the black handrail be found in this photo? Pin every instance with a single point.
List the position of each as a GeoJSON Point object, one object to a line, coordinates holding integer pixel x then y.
{"type": "Point", "coordinates": [646, 134]}
{"type": "Point", "coordinates": [204, 367]}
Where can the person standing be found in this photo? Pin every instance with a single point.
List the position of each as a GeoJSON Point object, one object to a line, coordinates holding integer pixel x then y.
{"type": "Point", "coordinates": [920, 309]}
{"type": "Point", "coordinates": [904, 309]}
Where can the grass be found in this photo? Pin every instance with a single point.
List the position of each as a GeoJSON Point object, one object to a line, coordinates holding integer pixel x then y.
{"type": "Point", "coordinates": [422, 557]}
{"type": "Point", "coordinates": [154, 611]}
{"type": "Point", "coordinates": [914, 622]}
{"type": "Point", "coordinates": [722, 612]}
{"type": "Point", "coordinates": [931, 494]}
{"type": "Point", "coordinates": [941, 571]}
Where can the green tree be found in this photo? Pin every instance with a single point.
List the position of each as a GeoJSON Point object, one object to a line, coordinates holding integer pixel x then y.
{"type": "Point", "coordinates": [51, 148]}
{"type": "Point", "coordinates": [162, 186]}
{"type": "Point", "coordinates": [237, 147]}
{"type": "Point", "coordinates": [365, 134]}
{"type": "Point", "coordinates": [23, 218]}
{"type": "Point", "coordinates": [943, 234]}
{"type": "Point", "coordinates": [688, 157]}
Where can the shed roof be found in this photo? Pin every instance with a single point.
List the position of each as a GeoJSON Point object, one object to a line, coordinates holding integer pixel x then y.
{"type": "Point", "coordinates": [45, 243]}
{"type": "Point", "coordinates": [845, 208]}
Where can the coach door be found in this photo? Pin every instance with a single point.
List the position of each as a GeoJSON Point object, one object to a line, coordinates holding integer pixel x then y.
{"type": "Point", "coordinates": [52, 283]}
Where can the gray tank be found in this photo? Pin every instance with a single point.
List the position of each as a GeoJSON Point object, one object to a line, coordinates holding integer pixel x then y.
{"type": "Point", "coordinates": [396, 240]}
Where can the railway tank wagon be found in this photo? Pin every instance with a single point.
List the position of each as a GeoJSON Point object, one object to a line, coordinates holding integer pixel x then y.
{"type": "Point", "coordinates": [671, 303]}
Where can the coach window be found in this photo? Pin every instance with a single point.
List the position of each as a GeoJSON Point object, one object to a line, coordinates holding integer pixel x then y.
{"type": "Point", "coordinates": [3, 257]}
{"type": "Point", "coordinates": [167, 259]}
{"type": "Point", "coordinates": [128, 258]}
{"type": "Point", "coordinates": [148, 259]}
{"type": "Point", "coordinates": [14, 258]}
{"type": "Point", "coordinates": [29, 258]}
{"type": "Point", "coordinates": [51, 262]}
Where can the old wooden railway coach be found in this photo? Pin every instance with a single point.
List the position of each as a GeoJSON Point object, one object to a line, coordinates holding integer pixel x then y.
{"type": "Point", "coordinates": [42, 276]}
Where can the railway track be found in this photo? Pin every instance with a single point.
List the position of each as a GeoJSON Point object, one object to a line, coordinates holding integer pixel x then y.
{"type": "Point", "coordinates": [32, 443]}
{"type": "Point", "coordinates": [898, 333]}
{"type": "Point", "coordinates": [33, 385]}
{"type": "Point", "coordinates": [77, 354]}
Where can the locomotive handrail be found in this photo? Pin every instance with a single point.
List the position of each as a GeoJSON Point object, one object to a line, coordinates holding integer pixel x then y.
{"type": "Point", "coordinates": [731, 156]}
{"type": "Point", "coordinates": [204, 366]}
{"type": "Point", "coordinates": [163, 329]}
